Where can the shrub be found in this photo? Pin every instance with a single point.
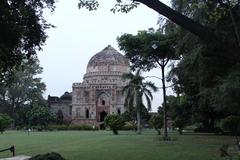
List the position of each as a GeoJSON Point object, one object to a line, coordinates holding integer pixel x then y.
{"type": "Point", "coordinates": [58, 127]}
{"type": "Point", "coordinates": [80, 127]}
{"type": "Point", "coordinates": [232, 124]}
{"type": "Point", "coordinates": [128, 126]}
{"type": "Point", "coordinates": [115, 122]}
{"type": "Point", "coordinates": [40, 116]}
{"type": "Point", "coordinates": [48, 156]}
{"type": "Point", "coordinates": [157, 123]}
{"type": "Point", "coordinates": [5, 122]}
{"type": "Point", "coordinates": [215, 130]}
{"type": "Point", "coordinates": [72, 127]}
{"type": "Point", "coordinates": [179, 123]}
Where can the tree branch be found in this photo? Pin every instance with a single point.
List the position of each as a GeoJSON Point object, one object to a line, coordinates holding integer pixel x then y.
{"type": "Point", "coordinates": [204, 33]}
{"type": "Point", "coordinates": [153, 77]}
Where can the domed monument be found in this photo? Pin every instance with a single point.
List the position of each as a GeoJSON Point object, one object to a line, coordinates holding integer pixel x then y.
{"type": "Point", "coordinates": [100, 93]}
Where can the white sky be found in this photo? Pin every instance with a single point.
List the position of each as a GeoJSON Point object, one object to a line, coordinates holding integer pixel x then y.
{"type": "Point", "coordinates": [79, 34]}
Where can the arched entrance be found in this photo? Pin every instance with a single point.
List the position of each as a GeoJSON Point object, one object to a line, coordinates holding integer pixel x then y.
{"type": "Point", "coordinates": [87, 113]}
{"type": "Point", "coordinates": [102, 105]}
{"type": "Point", "coordinates": [103, 114]}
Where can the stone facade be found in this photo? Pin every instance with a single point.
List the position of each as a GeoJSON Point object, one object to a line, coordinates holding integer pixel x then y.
{"type": "Point", "coordinates": [63, 104]}
{"type": "Point", "coordinates": [100, 93]}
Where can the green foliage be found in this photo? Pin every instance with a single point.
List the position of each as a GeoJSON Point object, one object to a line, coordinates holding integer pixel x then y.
{"type": "Point", "coordinates": [21, 38]}
{"type": "Point", "coordinates": [5, 122]}
{"type": "Point", "coordinates": [88, 4]}
{"type": "Point", "coordinates": [208, 78]}
{"type": "Point", "coordinates": [232, 124]}
{"type": "Point", "coordinates": [115, 122]}
{"type": "Point", "coordinates": [228, 98]}
{"type": "Point", "coordinates": [156, 122]}
{"type": "Point", "coordinates": [179, 123]}
{"type": "Point", "coordinates": [179, 111]}
{"type": "Point", "coordinates": [128, 116]}
{"type": "Point", "coordinates": [71, 127]}
{"type": "Point", "coordinates": [132, 114]}
{"type": "Point", "coordinates": [40, 116]}
{"type": "Point", "coordinates": [150, 49]}
{"type": "Point", "coordinates": [26, 88]}
{"type": "Point", "coordinates": [120, 6]}
{"type": "Point", "coordinates": [48, 156]}
{"type": "Point", "coordinates": [206, 38]}
{"type": "Point", "coordinates": [129, 126]}
{"type": "Point", "coordinates": [134, 91]}
{"type": "Point", "coordinates": [81, 127]}
{"type": "Point", "coordinates": [147, 49]}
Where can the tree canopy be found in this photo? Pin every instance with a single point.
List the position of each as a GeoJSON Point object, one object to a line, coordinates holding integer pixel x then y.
{"type": "Point", "coordinates": [25, 90]}
{"type": "Point", "coordinates": [22, 31]}
{"type": "Point", "coordinates": [5, 122]}
{"type": "Point", "coordinates": [134, 91]}
{"type": "Point", "coordinates": [147, 50]}
{"type": "Point", "coordinates": [182, 14]}
{"type": "Point", "coordinates": [209, 79]}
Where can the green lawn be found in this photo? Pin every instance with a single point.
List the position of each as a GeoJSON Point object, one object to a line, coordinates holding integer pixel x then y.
{"type": "Point", "coordinates": [102, 145]}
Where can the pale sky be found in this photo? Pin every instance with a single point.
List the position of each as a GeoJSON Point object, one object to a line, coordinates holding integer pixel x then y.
{"type": "Point", "coordinates": [79, 34]}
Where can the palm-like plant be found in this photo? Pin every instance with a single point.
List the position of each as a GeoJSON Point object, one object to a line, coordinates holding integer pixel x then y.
{"type": "Point", "coordinates": [135, 90]}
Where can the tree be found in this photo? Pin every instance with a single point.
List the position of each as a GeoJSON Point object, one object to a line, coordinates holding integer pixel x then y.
{"type": "Point", "coordinates": [232, 124]}
{"type": "Point", "coordinates": [128, 116]}
{"type": "Point", "coordinates": [132, 115]}
{"type": "Point", "coordinates": [22, 32]}
{"type": "Point", "coordinates": [179, 111]}
{"type": "Point", "coordinates": [209, 82]}
{"type": "Point", "coordinates": [217, 44]}
{"type": "Point", "coordinates": [228, 98]}
{"type": "Point", "coordinates": [207, 35]}
{"type": "Point", "coordinates": [156, 122]}
{"type": "Point", "coordinates": [26, 89]}
{"type": "Point", "coordinates": [148, 50]}
{"type": "Point", "coordinates": [5, 122]}
{"type": "Point", "coordinates": [115, 122]}
{"type": "Point", "coordinates": [134, 92]}
{"type": "Point", "coordinates": [40, 116]}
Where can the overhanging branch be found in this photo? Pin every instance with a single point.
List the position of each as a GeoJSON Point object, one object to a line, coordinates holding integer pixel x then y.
{"type": "Point", "coordinates": [204, 33]}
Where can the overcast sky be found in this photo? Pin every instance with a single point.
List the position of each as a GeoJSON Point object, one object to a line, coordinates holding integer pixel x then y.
{"type": "Point", "coordinates": [79, 34]}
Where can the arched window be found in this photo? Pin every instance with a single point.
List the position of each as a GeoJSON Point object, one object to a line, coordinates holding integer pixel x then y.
{"type": "Point", "coordinates": [103, 99]}
{"type": "Point", "coordinates": [87, 113]}
{"type": "Point", "coordinates": [118, 111]}
{"type": "Point", "coordinates": [103, 102]}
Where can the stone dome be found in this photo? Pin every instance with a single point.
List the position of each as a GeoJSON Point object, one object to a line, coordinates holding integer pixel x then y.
{"type": "Point", "coordinates": [108, 60]}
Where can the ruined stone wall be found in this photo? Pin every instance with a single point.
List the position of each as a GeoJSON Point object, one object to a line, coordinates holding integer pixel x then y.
{"type": "Point", "coordinates": [65, 107]}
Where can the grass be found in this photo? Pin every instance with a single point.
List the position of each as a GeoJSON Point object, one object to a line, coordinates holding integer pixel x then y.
{"type": "Point", "coordinates": [103, 145]}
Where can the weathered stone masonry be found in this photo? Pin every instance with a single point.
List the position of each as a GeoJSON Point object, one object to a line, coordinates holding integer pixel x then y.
{"type": "Point", "coordinates": [100, 93]}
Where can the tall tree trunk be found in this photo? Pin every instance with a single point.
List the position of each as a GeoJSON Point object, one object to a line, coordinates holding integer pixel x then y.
{"type": "Point", "coordinates": [13, 115]}
{"type": "Point", "coordinates": [138, 122]}
{"type": "Point", "coordinates": [165, 134]}
{"type": "Point", "coordinates": [138, 108]}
